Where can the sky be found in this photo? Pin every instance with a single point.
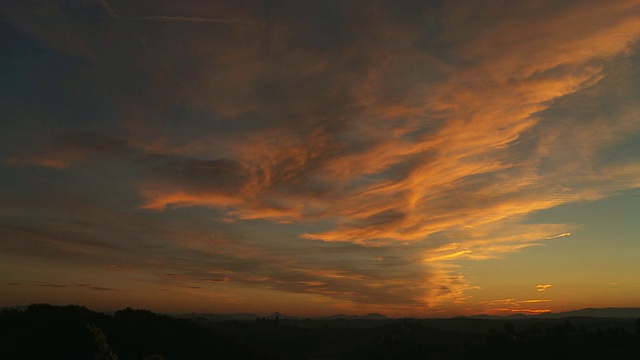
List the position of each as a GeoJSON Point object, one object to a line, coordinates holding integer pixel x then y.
{"type": "Point", "coordinates": [411, 158]}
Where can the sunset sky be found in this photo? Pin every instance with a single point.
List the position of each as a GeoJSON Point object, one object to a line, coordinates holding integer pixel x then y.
{"type": "Point", "coordinates": [411, 158]}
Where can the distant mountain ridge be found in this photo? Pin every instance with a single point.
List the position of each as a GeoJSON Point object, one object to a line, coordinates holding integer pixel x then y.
{"type": "Point", "coordinates": [587, 312]}
{"type": "Point", "coordinates": [595, 312]}
{"type": "Point", "coordinates": [371, 316]}
{"type": "Point", "coordinates": [609, 312]}
{"type": "Point", "coordinates": [220, 317]}
{"type": "Point", "coordinates": [277, 315]}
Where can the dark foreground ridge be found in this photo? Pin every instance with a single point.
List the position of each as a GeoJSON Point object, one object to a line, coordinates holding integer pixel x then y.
{"type": "Point", "coordinates": [42, 331]}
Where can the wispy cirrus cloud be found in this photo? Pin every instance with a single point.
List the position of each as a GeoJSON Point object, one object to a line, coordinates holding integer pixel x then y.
{"type": "Point", "coordinates": [61, 286]}
{"type": "Point", "coordinates": [64, 150]}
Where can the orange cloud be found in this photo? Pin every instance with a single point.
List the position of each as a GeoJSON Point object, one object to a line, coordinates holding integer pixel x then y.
{"type": "Point", "coordinates": [535, 301]}
{"type": "Point", "coordinates": [543, 287]}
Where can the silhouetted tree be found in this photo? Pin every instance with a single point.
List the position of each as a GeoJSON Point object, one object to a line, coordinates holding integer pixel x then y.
{"type": "Point", "coordinates": [104, 349]}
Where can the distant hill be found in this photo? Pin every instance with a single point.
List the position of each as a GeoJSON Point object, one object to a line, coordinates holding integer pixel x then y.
{"type": "Point", "coordinates": [234, 316]}
{"type": "Point", "coordinates": [371, 316]}
{"type": "Point", "coordinates": [497, 317]}
{"type": "Point", "coordinates": [277, 315]}
{"type": "Point", "coordinates": [594, 312]}
{"type": "Point", "coordinates": [619, 313]}
{"type": "Point", "coordinates": [219, 317]}
{"type": "Point", "coordinates": [253, 317]}
{"type": "Point", "coordinates": [609, 312]}
{"type": "Point", "coordinates": [20, 307]}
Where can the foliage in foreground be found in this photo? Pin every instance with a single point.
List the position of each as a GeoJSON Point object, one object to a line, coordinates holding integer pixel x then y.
{"type": "Point", "coordinates": [72, 332]}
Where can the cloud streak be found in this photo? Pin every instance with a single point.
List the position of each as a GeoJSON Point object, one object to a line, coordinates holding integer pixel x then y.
{"type": "Point", "coordinates": [543, 287]}
{"type": "Point", "coordinates": [115, 15]}
{"type": "Point", "coordinates": [62, 286]}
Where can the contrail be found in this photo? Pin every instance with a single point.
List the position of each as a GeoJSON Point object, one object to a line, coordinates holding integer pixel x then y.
{"type": "Point", "coordinates": [558, 236]}
{"type": "Point", "coordinates": [115, 15]}
{"type": "Point", "coordinates": [109, 9]}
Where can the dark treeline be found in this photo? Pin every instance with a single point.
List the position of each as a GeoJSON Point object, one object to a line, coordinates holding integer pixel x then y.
{"type": "Point", "coordinates": [73, 332]}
